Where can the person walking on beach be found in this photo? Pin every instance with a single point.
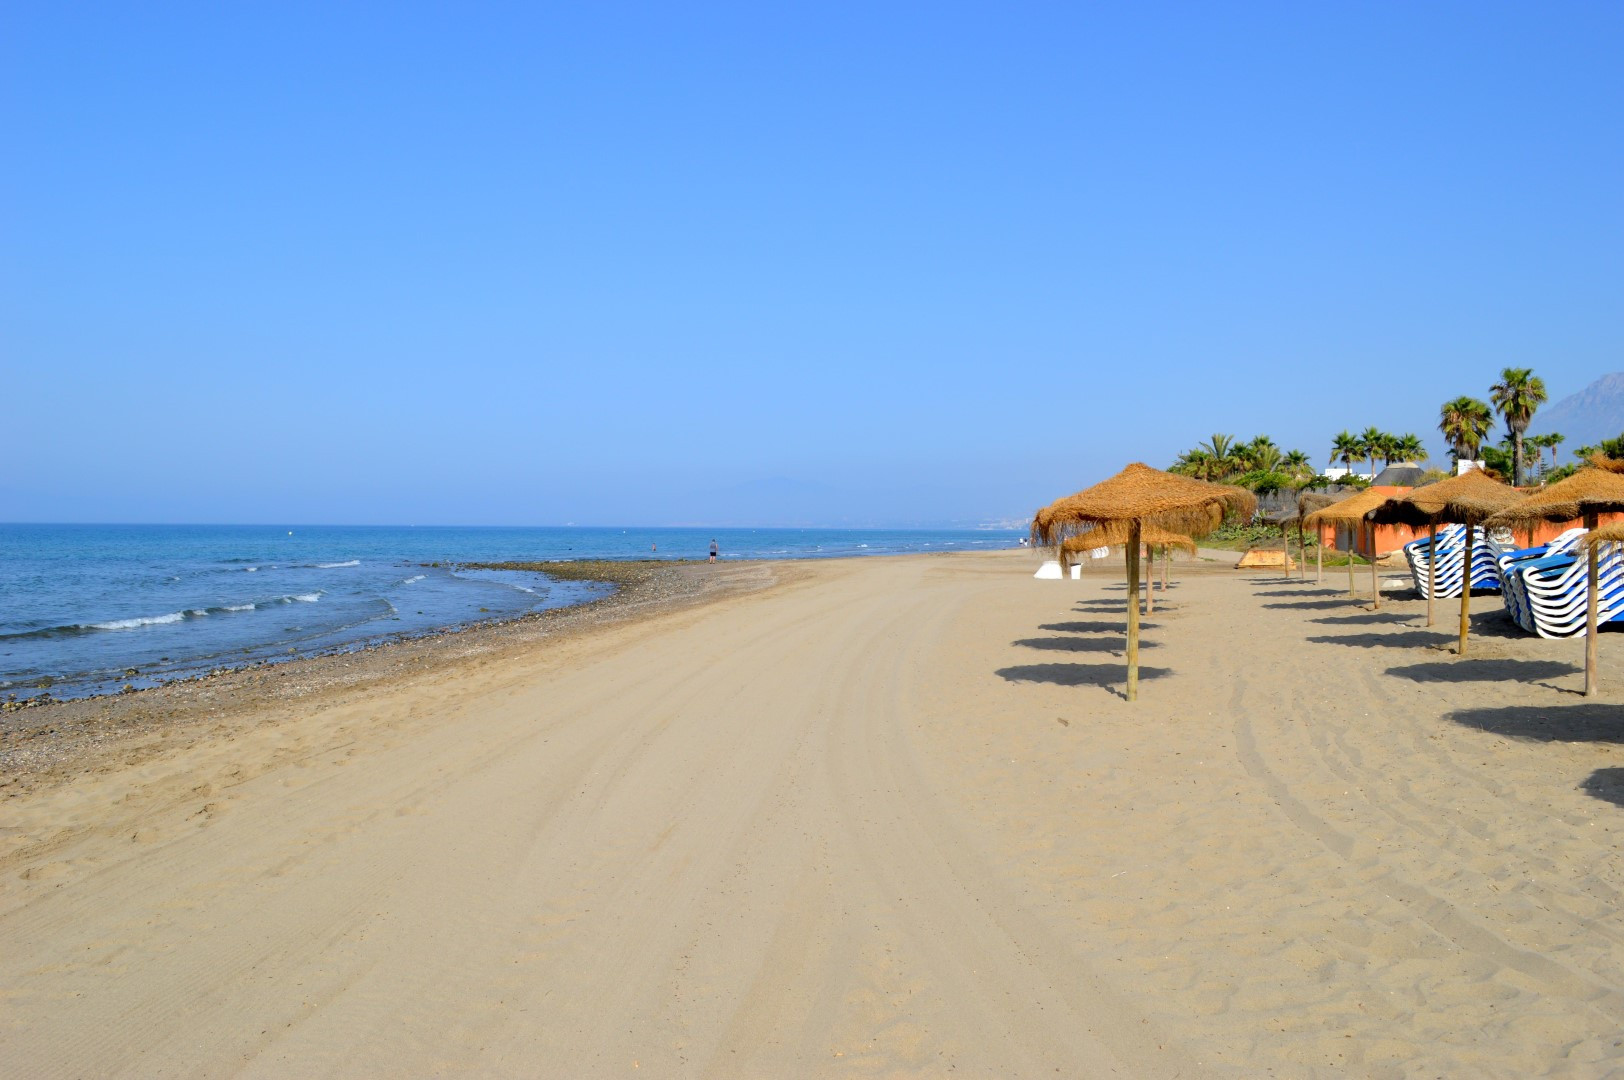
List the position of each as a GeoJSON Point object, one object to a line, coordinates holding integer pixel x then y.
{"type": "Point", "coordinates": [713, 550]}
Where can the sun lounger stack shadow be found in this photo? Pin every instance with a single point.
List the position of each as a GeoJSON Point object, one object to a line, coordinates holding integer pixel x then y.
{"type": "Point", "coordinates": [1451, 555]}
{"type": "Point", "coordinates": [1546, 587]}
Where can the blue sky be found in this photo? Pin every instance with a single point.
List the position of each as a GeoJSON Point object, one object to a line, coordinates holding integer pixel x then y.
{"type": "Point", "coordinates": [760, 264]}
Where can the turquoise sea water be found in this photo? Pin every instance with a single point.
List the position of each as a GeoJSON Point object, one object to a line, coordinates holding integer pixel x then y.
{"type": "Point", "coordinates": [82, 605]}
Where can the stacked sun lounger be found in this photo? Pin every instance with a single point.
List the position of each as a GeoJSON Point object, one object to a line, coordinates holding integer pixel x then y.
{"type": "Point", "coordinates": [1451, 557]}
{"type": "Point", "coordinates": [1512, 561]}
{"type": "Point", "coordinates": [1547, 589]}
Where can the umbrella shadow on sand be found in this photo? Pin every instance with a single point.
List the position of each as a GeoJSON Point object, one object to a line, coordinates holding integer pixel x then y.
{"type": "Point", "coordinates": [1606, 784]}
{"type": "Point", "coordinates": [1364, 618]}
{"type": "Point", "coordinates": [1102, 607]}
{"type": "Point", "coordinates": [1408, 639]}
{"type": "Point", "coordinates": [1468, 670]}
{"type": "Point", "coordinates": [1107, 677]}
{"type": "Point", "coordinates": [1304, 592]}
{"type": "Point", "coordinates": [1547, 723]}
{"type": "Point", "coordinates": [1115, 645]}
{"type": "Point", "coordinates": [1093, 627]}
{"type": "Point", "coordinates": [1318, 605]}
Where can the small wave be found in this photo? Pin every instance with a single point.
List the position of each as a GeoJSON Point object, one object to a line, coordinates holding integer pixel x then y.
{"type": "Point", "coordinates": [417, 577]}
{"type": "Point", "coordinates": [169, 619]}
{"type": "Point", "coordinates": [336, 565]}
{"type": "Point", "coordinates": [251, 569]}
{"type": "Point", "coordinates": [141, 620]}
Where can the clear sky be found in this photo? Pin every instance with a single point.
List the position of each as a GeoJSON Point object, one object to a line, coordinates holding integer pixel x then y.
{"type": "Point", "coordinates": [772, 263]}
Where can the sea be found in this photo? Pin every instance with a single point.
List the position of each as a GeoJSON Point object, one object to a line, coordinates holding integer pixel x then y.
{"type": "Point", "coordinates": [91, 609]}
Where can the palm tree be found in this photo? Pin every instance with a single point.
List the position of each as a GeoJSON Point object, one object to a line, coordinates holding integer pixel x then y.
{"type": "Point", "coordinates": [1196, 463]}
{"type": "Point", "coordinates": [1537, 443]}
{"type": "Point", "coordinates": [1464, 422]}
{"type": "Point", "coordinates": [1221, 449]}
{"type": "Point", "coordinates": [1389, 448]}
{"type": "Point", "coordinates": [1518, 393]}
{"type": "Point", "coordinates": [1346, 449]}
{"type": "Point", "coordinates": [1552, 441]}
{"type": "Point", "coordinates": [1266, 458]}
{"type": "Point", "coordinates": [1372, 440]}
{"type": "Point", "coordinates": [1410, 448]}
{"type": "Point", "coordinates": [1297, 464]}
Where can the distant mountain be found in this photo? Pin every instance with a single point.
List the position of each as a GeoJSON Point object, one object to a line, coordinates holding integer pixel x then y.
{"type": "Point", "coordinates": [1593, 414]}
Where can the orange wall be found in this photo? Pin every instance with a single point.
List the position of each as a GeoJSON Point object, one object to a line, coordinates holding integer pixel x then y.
{"type": "Point", "coordinates": [1393, 537]}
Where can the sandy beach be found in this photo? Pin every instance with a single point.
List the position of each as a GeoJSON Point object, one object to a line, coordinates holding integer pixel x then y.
{"type": "Point", "coordinates": [862, 817]}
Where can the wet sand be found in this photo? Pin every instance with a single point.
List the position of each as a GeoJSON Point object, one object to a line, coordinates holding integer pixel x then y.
{"type": "Point", "coordinates": [882, 817]}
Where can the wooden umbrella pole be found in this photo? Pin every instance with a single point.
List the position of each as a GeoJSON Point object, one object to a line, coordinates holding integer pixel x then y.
{"type": "Point", "coordinates": [1352, 543]}
{"type": "Point", "coordinates": [1319, 558]}
{"type": "Point", "coordinates": [1150, 580]}
{"type": "Point", "coordinates": [1432, 567]}
{"type": "Point", "coordinates": [1375, 583]}
{"type": "Point", "coordinates": [1132, 550]}
{"type": "Point", "coordinates": [1591, 603]}
{"type": "Point", "coordinates": [1466, 593]}
{"type": "Point", "coordinates": [1167, 554]}
{"type": "Point", "coordinates": [1302, 550]}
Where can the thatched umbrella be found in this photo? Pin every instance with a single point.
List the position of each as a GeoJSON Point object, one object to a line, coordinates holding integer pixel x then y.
{"type": "Point", "coordinates": [1465, 499]}
{"type": "Point", "coordinates": [1135, 497]}
{"type": "Point", "coordinates": [1351, 512]}
{"type": "Point", "coordinates": [1150, 536]}
{"type": "Point", "coordinates": [1307, 503]}
{"type": "Point", "coordinates": [1584, 495]}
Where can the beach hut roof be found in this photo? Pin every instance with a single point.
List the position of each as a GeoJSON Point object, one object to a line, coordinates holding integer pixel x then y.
{"type": "Point", "coordinates": [1404, 474]}
{"type": "Point", "coordinates": [1352, 509]}
{"type": "Point", "coordinates": [1588, 491]}
{"type": "Point", "coordinates": [1467, 499]}
{"type": "Point", "coordinates": [1116, 534]}
{"type": "Point", "coordinates": [1149, 496]}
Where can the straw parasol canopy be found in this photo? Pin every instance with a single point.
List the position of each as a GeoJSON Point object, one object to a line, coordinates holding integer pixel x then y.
{"type": "Point", "coordinates": [1607, 534]}
{"type": "Point", "coordinates": [1585, 495]}
{"type": "Point", "coordinates": [1310, 501]}
{"type": "Point", "coordinates": [1149, 496]}
{"type": "Point", "coordinates": [1465, 499]}
{"type": "Point", "coordinates": [1307, 503]}
{"type": "Point", "coordinates": [1134, 498]}
{"type": "Point", "coordinates": [1117, 536]}
{"type": "Point", "coordinates": [1350, 511]}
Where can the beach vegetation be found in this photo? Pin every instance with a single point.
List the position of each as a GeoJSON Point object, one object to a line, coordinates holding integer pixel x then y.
{"type": "Point", "coordinates": [1345, 448]}
{"type": "Point", "coordinates": [1258, 465]}
{"type": "Point", "coordinates": [1465, 423]}
{"type": "Point", "coordinates": [1410, 448]}
{"type": "Point", "coordinates": [1374, 443]}
{"type": "Point", "coordinates": [1517, 395]}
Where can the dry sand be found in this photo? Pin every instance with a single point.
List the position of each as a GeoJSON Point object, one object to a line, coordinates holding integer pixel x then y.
{"type": "Point", "coordinates": [888, 817]}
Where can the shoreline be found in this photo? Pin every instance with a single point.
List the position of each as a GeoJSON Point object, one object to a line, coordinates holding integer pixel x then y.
{"type": "Point", "coordinates": [49, 740]}
{"type": "Point", "coordinates": [612, 572]}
